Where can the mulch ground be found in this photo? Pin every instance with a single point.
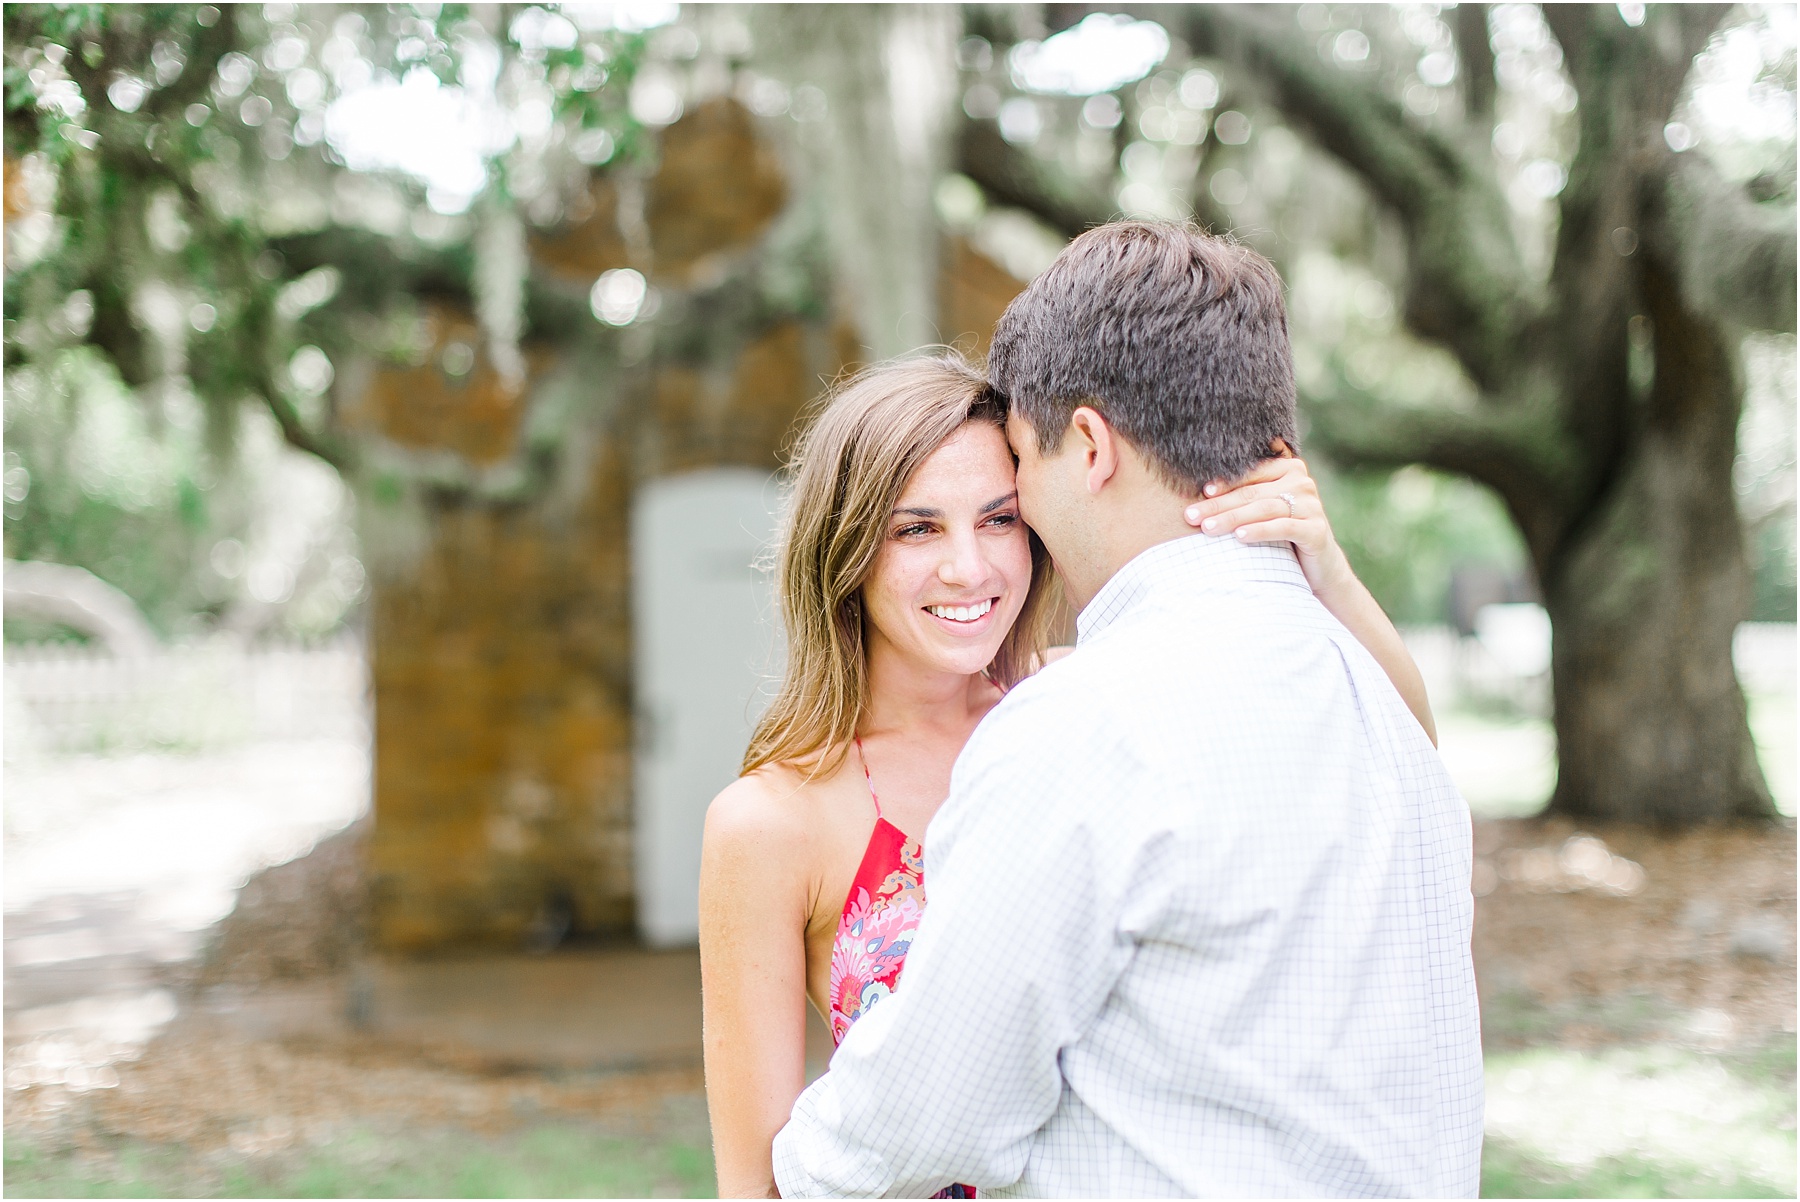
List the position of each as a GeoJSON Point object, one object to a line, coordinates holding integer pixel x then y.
{"type": "Point", "coordinates": [1635, 937]}
{"type": "Point", "coordinates": [1697, 944]}
{"type": "Point", "coordinates": [208, 1090]}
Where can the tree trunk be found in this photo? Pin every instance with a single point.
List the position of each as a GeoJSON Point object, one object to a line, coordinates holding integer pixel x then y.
{"type": "Point", "coordinates": [1644, 598]}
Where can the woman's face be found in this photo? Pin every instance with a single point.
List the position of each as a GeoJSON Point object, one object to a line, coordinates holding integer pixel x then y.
{"type": "Point", "coordinates": [952, 574]}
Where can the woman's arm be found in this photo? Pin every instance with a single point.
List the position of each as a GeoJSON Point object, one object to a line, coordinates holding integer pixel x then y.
{"type": "Point", "coordinates": [753, 980]}
{"type": "Point", "coordinates": [1256, 511]}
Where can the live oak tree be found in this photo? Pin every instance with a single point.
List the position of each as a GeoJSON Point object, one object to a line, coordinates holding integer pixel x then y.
{"type": "Point", "coordinates": [1599, 393]}
{"type": "Point", "coordinates": [185, 150]}
{"type": "Point", "coordinates": [1620, 480]}
{"type": "Point", "coordinates": [181, 231]}
{"type": "Point", "coordinates": [207, 235]}
{"type": "Point", "coordinates": [1606, 390]}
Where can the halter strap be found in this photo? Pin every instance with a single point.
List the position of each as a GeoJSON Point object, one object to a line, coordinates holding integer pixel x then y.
{"type": "Point", "coordinates": [864, 761]}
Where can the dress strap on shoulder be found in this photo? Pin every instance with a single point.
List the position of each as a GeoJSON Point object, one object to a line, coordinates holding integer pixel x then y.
{"type": "Point", "coordinates": [864, 761]}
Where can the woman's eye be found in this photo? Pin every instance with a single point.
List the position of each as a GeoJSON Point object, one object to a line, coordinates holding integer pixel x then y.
{"type": "Point", "coordinates": [1004, 519]}
{"type": "Point", "coordinates": [912, 531]}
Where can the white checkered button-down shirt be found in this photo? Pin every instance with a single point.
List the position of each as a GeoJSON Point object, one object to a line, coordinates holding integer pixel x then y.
{"type": "Point", "coordinates": [1198, 924]}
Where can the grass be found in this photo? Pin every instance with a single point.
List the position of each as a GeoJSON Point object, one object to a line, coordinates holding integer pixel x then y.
{"type": "Point", "coordinates": [552, 1161]}
{"type": "Point", "coordinates": [1772, 1062]}
{"type": "Point", "coordinates": [1639, 1121]}
{"type": "Point", "coordinates": [1649, 1120]}
{"type": "Point", "coordinates": [1509, 1172]}
{"type": "Point", "coordinates": [1516, 1018]}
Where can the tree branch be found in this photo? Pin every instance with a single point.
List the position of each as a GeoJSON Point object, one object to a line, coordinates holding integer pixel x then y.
{"type": "Point", "coordinates": [1512, 447]}
{"type": "Point", "coordinates": [1476, 54]}
{"type": "Point", "coordinates": [1594, 39]}
{"type": "Point", "coordinates": [1013, 177]}
{"type": "Point", "coordinates": [1628, 79]}
{"type": "Point", "coordinates": [1467, 288]}
{"type": "Point", "coordinates": [1735, 258]}
{"type": "Point", "coordinates": [296, 434]}
{"type": "Point", "coordinates": [222, 378]}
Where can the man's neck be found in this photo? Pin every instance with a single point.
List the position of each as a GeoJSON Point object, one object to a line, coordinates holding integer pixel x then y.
{"type": "Point", "coordinates": [1137, 523]}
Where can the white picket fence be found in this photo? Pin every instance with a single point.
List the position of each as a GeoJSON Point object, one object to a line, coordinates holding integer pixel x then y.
{"type": "Point", "coordinates": [63, 699]}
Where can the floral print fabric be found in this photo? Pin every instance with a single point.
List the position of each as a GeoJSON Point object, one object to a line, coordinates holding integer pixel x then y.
{"type": "Point", "coordinates": [874, 933]}
{"type": "Point", "coordinates": [885, 903]}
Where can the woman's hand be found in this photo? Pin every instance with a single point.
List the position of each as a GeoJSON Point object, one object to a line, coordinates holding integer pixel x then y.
{"type": "Point", "coordinates": [1256, 510]}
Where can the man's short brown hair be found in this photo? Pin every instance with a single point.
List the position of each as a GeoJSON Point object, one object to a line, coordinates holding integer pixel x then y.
{"type": "Point", "coordinates": [1178, 337]}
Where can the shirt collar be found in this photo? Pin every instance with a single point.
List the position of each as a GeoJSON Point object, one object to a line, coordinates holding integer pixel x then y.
{"type": "Point", "coordinates": [1212, 563]}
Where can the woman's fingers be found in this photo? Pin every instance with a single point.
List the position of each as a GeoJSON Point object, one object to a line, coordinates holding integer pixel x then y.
{"type": "Point", "coordinates": [1268, 469]}
{"type": "Point", "coordinates": [1270, 520]}
{"type": "Point", "coordinates": [1260, 509]}
{"type": "Point", "coordinates": [1277, 503]}
{"type": "Point", "coordinates": [1222, 514]}
{"type": "Point", "coordinates": [1275, 530]}
{"type": "Point", "coordinates": [1271, 479]}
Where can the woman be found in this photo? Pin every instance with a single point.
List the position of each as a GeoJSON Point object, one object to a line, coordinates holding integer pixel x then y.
{"type": "Point", "coordinates": [913, 596]}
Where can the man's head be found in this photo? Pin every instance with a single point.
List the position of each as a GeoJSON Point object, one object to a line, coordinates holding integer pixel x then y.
{"type": "Point", "coordinates": [1148, 359]}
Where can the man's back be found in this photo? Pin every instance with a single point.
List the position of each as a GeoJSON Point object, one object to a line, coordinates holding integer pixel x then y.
{"type": "Point", "coordinates": [1290, 867]}
{"type": "Point", "coordinates": [1199, 925]}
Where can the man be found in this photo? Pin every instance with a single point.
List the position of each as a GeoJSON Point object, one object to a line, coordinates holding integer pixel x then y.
{"type": "Point", "coordinates": [1199, 918]}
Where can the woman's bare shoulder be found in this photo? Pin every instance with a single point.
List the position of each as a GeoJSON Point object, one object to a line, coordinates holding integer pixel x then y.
{"type": "Point", "coordinates": [773, 804]}
{"type": "Point", "coordinates": [769, 835]}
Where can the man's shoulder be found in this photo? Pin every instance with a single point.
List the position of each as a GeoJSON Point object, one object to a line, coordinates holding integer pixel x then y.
{"type": "Point", "coordinates": [1041, 706]}
{"type": "Point", "coordinates": [1260, 639]}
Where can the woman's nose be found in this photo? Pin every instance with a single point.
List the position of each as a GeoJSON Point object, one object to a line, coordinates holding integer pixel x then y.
{"type": "Point", "coordinates": [964, 564]}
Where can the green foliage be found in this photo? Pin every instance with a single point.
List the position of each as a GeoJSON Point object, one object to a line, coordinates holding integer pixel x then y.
{"type": "Point", "coordinates": [179, 184]}
{"type": "Point", "coordinates": [1508, 1172]}
{"type": "Point", "coordinates": [1772, 596]}
{"type": "Point", "coordinates": [99, 485]}
{"type": "Point", "coordinates": [1406, 531]}
{"type": "Point", "coordinates": [1640, 1119]}
{"type": "Point", "coordinates": [186, 247]}
{"type": "Point", "coordinates": [1514, 1018]}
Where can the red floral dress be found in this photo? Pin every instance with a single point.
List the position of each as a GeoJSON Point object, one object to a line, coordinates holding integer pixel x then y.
{"type": "Point", "coordinates": [875, 931]}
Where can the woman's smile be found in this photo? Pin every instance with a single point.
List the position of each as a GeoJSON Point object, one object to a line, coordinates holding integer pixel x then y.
{"type": "Point", "coordinates": [966, 617]}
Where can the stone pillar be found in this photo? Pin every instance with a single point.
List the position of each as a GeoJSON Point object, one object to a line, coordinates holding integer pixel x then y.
{"type": "Point", "coordinates": [501, 624]}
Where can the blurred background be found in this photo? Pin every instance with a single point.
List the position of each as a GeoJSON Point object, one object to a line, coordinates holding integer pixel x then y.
{"type": "Point", "coordinates": [394, 397]}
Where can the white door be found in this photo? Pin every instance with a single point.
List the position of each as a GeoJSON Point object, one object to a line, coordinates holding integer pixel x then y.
{"type": "Point", "coordinates": [708, 651]}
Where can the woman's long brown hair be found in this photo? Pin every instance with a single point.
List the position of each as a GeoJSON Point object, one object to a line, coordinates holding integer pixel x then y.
{"type": "Point", "coordinates": [846, 475]}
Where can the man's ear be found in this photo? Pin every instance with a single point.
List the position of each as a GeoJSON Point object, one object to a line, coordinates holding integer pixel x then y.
{"type": "Point", "coordinates": [1098, 444]}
